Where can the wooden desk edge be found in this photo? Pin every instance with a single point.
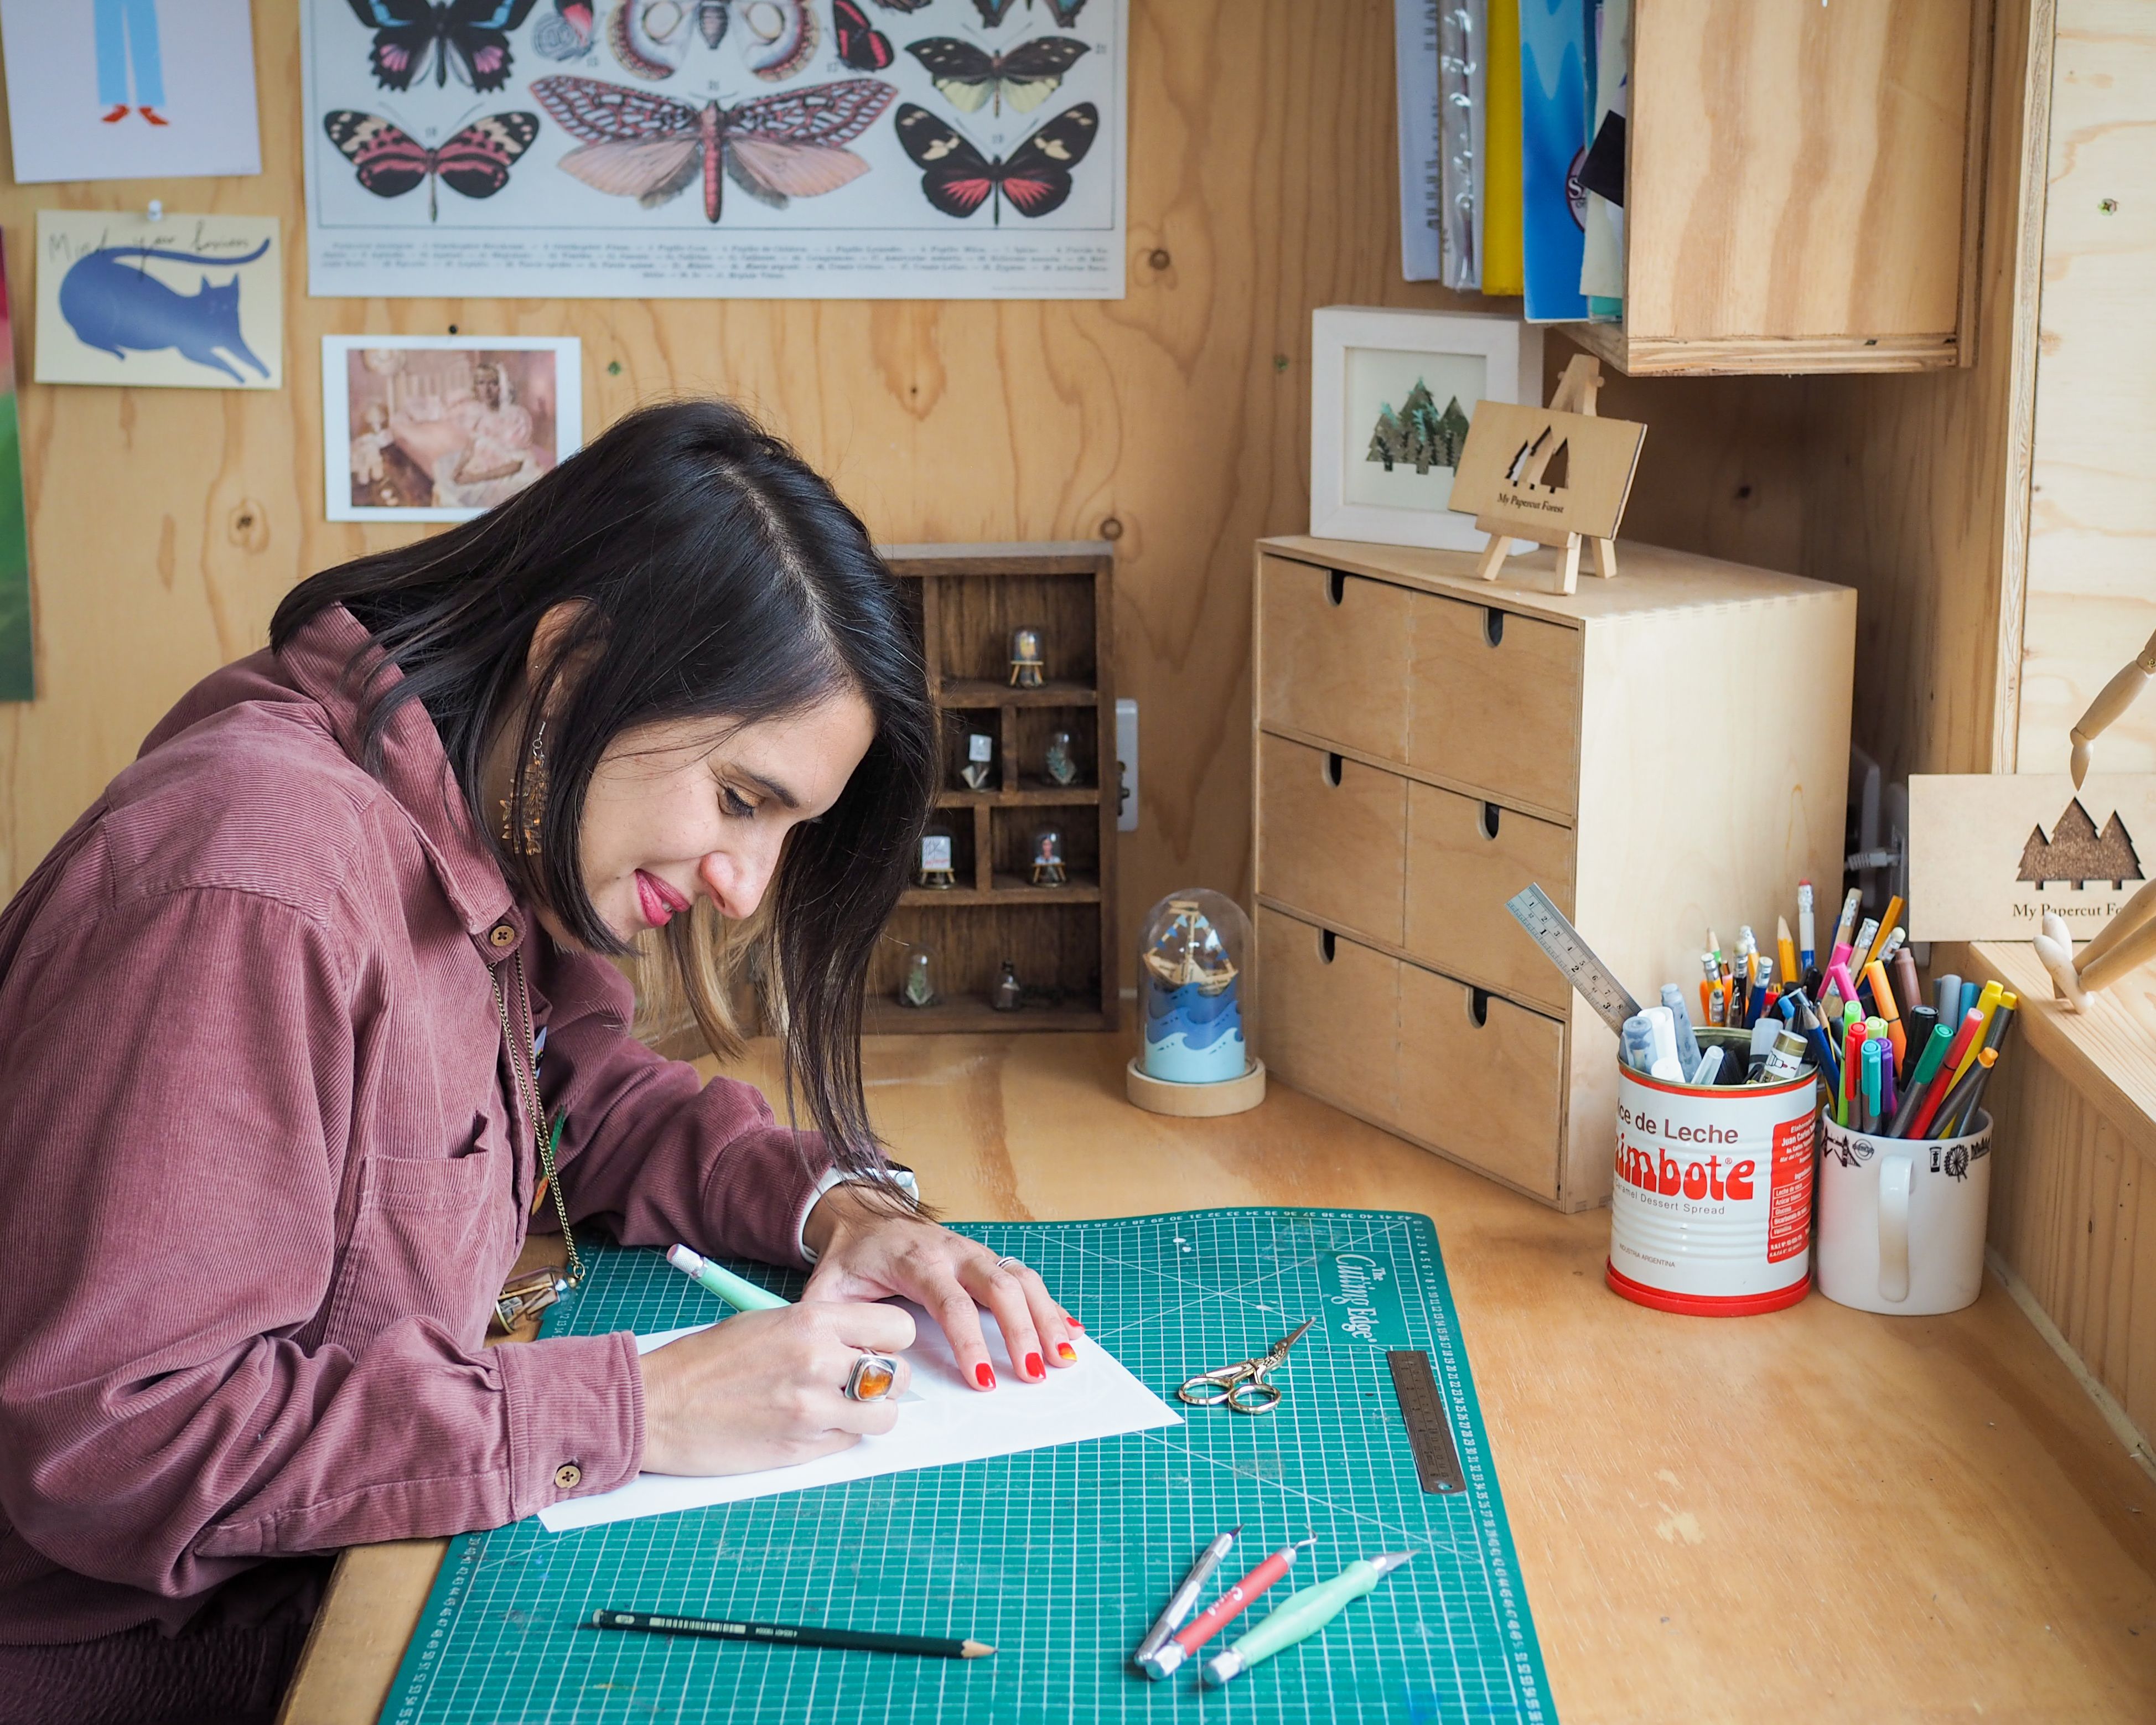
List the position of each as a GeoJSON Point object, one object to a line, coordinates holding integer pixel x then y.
{"type": "Point", "coordinates": [366, 1621]}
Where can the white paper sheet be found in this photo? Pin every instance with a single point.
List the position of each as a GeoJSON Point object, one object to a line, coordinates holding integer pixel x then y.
{"type": "Point", "coordinates": [944, 1419]}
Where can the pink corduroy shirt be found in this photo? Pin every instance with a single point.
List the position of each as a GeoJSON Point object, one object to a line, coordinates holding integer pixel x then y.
{"type": "Point", "coordinates": [263, 1168]}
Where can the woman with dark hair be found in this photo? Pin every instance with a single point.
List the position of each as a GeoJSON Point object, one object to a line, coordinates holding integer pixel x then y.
{"type": "Point", "coordinates": [310, 1016]}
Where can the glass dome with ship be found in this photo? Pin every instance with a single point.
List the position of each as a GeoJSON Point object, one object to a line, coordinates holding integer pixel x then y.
{"type": "Point", "coordinates": [1196, 995]}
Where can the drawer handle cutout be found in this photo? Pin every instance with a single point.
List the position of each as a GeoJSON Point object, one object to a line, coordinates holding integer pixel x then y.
{"type": "Point", "coordinates": [1332, 764]}
{"type": "Point", "coordinates": [1325, 939]}
{"type": "Point", "coordinates": [1491, 811]}
{"type": "Point", "coordinates": [1335, 587]}
{"type": "Point", "coordinates": [1478, 1007]}
{"type": "Point", "coordinates": [1493, 626]}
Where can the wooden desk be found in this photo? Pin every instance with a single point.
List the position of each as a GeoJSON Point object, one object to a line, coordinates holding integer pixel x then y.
{"type": "Point", "coordinates": [1817, 1514]}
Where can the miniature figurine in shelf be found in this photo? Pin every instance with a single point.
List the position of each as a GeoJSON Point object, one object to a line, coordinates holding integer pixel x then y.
{"type": "Point", "coordinates": [1062, 764]}
{"type": "Point", "coordinates": [1048, 869]}
{"type": "Point", "coordinates": [1028, 665]}
{"type": "Point", "coordinates": [2128, 940]}
{"type": "Point", "coordinates": [936, 870]}
{"type": "Point", "coordinates": [980, 761]}
{"type": "Point", "coordinates": [919, 987]}
{"type": "Point", "coordinates": [1008, 996]}
{"type": "Point", "coordinates": [1193, 1014]}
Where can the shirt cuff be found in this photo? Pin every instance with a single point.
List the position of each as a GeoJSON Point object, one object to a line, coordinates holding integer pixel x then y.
{"type": "Point", "coordinates": [900, 1177]}
{"type": "Point", "coordinates": [575, 1417]}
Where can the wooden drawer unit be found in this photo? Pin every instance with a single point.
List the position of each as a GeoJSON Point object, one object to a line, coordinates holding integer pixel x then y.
{"type": "Point", "coordinates": [1353, 880]}
{"type": "Point", "coordinates": [1495, 701]}
{"type": "Point", "coordinates": [1337, 1005]}
{"type": "Point", "coordinates": [1427, 743]}
{"type": "Point", "coordinates": [1464, 856]}
{"type": "Point", "coordinates": [1339, 669]}
{"type": "Point", "coordinates": [1480, 1079]}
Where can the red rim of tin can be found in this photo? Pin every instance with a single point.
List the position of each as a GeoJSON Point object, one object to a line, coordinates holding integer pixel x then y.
{"type": "Point", "coordinates": [1704, 1305]}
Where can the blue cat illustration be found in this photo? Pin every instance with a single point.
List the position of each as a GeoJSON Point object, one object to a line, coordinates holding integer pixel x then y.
{"type": "Point", "coordinates": [113, 305]}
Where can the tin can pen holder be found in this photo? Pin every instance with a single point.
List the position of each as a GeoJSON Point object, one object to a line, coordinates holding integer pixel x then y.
{"type": "Point", "coordinates": [1711, 1208]}
{"type": "Point", "coordinates": [1902, 1220]}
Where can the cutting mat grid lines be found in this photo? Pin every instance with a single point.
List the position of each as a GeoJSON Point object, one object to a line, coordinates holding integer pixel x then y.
{"type": "Point", "coordinates": [1059, 1556]}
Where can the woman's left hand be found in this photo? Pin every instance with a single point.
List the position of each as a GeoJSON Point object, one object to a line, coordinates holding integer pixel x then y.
{"type": "Point", "coordinates": [863, 1254]}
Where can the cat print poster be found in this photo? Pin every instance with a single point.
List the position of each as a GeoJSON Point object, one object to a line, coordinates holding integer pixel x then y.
{"type": "Point", "coordinates": [443, 427]}
{"type": "Point", "coordinates": [130, 90]}
{"type": "Point", "coordinates": [714, 149]}
{"type": "Point", "coordinates": [184, 302]}
{"type": "Point", "coordinates": [17, 674]}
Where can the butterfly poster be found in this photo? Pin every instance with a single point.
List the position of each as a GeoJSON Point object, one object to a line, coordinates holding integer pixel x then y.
{"type": "Point", "coordinates": [708, 149]}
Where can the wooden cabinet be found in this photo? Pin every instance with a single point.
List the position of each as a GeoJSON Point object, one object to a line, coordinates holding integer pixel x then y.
{"type": "Point", "coordinates": [1661, 754]}
{"type": "Point", "coordinates": [1802, 185]}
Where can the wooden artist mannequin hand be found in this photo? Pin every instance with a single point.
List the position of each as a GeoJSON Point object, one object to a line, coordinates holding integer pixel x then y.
{"type": "Point", "coordinates": [765, 1388]}
{"type": "Point", "coordinates": [863, 1252]}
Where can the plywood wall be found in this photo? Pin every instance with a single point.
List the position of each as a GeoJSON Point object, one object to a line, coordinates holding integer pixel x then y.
{"type": "Point", "coordinates": [165, 524]}
{"type": "Point", "coordinates": [2091, 594]}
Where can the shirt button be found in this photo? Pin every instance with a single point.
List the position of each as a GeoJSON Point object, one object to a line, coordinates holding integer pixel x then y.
{"type": "Point", "coordinates": [502, 935]}
{"type": "Point", "coordinates": [568, 1476]}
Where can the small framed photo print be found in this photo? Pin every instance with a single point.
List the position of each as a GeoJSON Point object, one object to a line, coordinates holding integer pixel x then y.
{"type": "Point", "coordinates": [443, 427]}
{"type": "Point", "coordinates": [1392, 396]}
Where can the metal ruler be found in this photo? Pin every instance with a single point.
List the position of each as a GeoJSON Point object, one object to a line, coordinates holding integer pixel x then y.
{"type": "Point", "coordinates": [1429, 1433]}
{"type": "Point", "coordinates": [1546, 925]}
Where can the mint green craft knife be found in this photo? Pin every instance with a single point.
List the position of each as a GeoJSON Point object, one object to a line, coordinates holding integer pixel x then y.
{"type": "Point", "coordinates": [1301, 1615]}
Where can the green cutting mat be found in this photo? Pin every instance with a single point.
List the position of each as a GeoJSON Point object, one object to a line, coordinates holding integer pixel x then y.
{"type": "Point", "coordinates": [1061, 1556]}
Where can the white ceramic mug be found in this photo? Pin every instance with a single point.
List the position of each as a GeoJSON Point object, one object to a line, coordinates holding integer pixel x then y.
{"type": "Point", "coordinates": [1901, 1221]}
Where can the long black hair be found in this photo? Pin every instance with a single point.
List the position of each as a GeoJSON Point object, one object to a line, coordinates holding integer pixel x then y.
{"type": "Point", "coordinates": [720, 578]}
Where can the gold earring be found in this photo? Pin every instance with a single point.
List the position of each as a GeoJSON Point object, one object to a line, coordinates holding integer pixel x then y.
{"type": "Point", "coordinates": [525, 829]}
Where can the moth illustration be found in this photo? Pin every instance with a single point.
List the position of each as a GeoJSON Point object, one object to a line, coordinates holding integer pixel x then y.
{"type": "Point", "coordinates": [993, 12]}
{"type": "Point", "coordinates": [904, 5]}
{"type": "Point", "coordinates": [785, 32]}
{"type": "Point", "coordinates": [957, 178]}
{"type": "Point", "coordinates": [565, 34]}
{"type": "Point", "coordinates": [638, 144]}
{"type": "Point", "coordinates": [1025, 76]}
{"type": "Point", "coordinates": [651, 37]}
{"type": "Point", "coordinates": [861, 46]}
{"type": "Point", "coordinates": [390, 162]}
{"type": "Point", "coordinates": [470, 38]}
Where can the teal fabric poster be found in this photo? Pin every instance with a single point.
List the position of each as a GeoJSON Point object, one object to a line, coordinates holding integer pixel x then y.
{"type": "Point", "coordinates": [1553, 116]}
{"type": "Point", "coordinates": [16, 680]}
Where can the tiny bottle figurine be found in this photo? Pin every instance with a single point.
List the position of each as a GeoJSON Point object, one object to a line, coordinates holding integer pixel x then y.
{"type": "Point", "coordinates": [936, 870]}
{"type": "Point", "coordinates": [1048, 869]}
{"type": "Point", "coordinates": [1028, 665]}
{"type": "Point", "coordinates": [1008, 996]}
{"type": "Point", "coordinates": [980, 761]}
{"type": "Point", "coordinates": [1062, 765]}
{"type": "Point", "coordinates": [918, 988]}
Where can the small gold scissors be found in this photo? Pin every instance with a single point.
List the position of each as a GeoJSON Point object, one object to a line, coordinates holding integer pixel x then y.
{"type": "Point", "coordinates": [1245, 1386]}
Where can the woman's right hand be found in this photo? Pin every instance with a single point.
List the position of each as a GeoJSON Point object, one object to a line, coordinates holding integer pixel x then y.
{"type": "Point", "coordinates": [767, 1389]}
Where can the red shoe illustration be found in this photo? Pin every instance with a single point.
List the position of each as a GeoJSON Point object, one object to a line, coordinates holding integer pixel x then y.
{"type": "Point", "coordinates": [117, 114]}
{"type": "Point", "coordinates": [153, 116]}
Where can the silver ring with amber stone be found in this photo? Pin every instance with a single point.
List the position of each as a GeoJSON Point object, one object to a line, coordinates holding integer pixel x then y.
{"type": "Point", "coordinates": [873, 1378]}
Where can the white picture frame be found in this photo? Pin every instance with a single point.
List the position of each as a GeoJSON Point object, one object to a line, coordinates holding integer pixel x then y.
{"type": "Point", "coordinates": [402, 418]}
{"type": "Point", "coordinates": [1366, 358]}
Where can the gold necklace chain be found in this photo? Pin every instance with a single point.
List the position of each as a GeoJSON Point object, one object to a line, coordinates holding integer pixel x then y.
{"type": "Point", "coordinates": [528, 1088]}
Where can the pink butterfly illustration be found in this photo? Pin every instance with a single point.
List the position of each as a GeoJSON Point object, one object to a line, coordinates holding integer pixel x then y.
{"type": "Point", "coordinates": [641, 145]}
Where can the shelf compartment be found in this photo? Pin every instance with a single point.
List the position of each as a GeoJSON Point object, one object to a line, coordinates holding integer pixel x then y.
{"type": "Point", "coordinates": [972, 694]}
{"type": "Point", "coordinates": [1084, 889]}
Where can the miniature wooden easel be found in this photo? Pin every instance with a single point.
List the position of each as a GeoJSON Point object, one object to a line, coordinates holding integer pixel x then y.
{"type": "Point", "coordinates": [1509, 451]}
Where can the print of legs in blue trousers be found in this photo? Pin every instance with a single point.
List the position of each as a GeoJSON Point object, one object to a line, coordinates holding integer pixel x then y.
{"type": "Point", "coordinates": [127, 30]}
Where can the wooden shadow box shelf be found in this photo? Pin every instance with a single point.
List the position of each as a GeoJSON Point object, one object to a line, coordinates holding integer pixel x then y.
{"type": "Point", "coordinates": [1060, 940]}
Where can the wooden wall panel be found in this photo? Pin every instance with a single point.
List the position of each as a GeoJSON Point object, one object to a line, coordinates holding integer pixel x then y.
{"type": "Point", "coordinates": [2092, 521]}
{"type": "Point", "coordinates": [165, 524]}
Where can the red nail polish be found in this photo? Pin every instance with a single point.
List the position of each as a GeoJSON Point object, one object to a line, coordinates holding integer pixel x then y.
{"type": "Point", "coordinates": [984, 1375]}
{"type": "Point", "coordinates": [1033, 1368]}
{"type": "Point", "coordinates": [1067, 1352]}
{"type": "Point", "coordinates": [1074, 1323]}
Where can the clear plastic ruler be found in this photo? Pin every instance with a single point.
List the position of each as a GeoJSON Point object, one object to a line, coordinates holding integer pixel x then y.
{"type": "Point", "coordinates": [1546, 926]}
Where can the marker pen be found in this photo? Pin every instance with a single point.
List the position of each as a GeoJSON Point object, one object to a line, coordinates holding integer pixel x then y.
{"type": "Point", "coordinates": [1868, 1120]}
{"type": "Point", "coordinates": [1987, 1003]}
{"type": "Point", "coordinates": [1942, 1079]}
{"type": "Point", "coordinates": [1946, 997]}
{"type": "Point", "coordinates": [1934, 1052]}
{"type": "Point", "coordinates": [1883, 997]}
{"type": "Point", "coordinates": [1805, 944]}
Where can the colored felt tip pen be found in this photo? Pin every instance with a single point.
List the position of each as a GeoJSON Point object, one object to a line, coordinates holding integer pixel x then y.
{"type": "Point", "coordinates": [1301, 1615]}
{"type": "Point", "coordinates": [1946, 998]}
{"type": "Point", "coordinates": [1185, 1596]}
{"type": "Point", "coordinates": [1807, 945]}
{"type": "Point", "coordinates": [1870, 1113]}
{"type": "Point", "coordinates": [1921, 1070]}
{"type": "Point", "coordinates": [1883, 997]}
{"type": "Point", "coordinates": [1965, 1039]}
{"type": "Point", "coordinates": [1223, 1611]}
{"type": "Point", "coordinates": [1987, 1003]}
{"type": "Point", "coordinates": [743, 1296]}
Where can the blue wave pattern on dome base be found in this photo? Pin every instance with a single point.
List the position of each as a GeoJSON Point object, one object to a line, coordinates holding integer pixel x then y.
{"type": "Point", "coordinates": [1191, 1037]}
